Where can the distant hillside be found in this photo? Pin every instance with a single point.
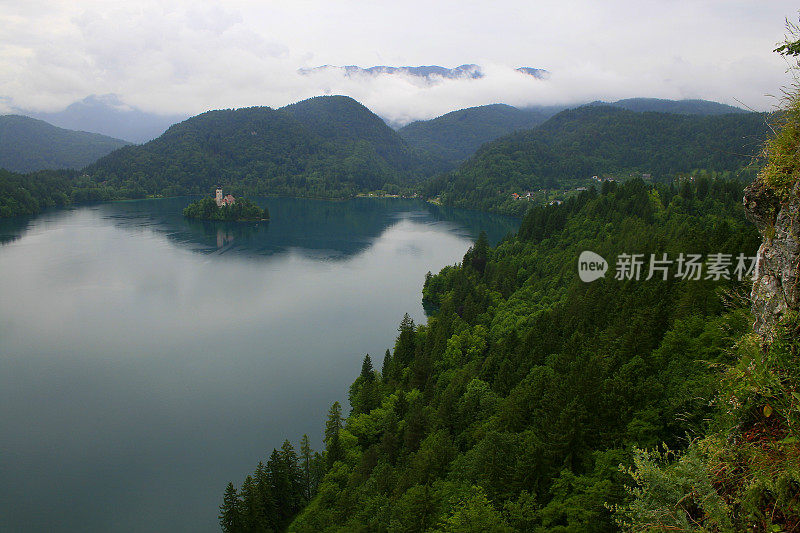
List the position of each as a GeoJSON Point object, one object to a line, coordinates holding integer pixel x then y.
{"type": "Point", "coordinates": [108, 115]}
{"type": "Point", "coordinates": [593, 140]}
{"type": "Point", "coordinates": [342, 119]}
{"type": "Point", "coordinates": [455, 136]}
{"type": "Point", "coordinates": [329, 146]}
{"type": "Point", "coordinates": [28, 144]}
{"type": "Point", "coordinates": [682, 107]}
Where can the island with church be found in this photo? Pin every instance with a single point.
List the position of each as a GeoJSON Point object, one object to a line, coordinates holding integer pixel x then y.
{"type": "Point", "coordinates": [226, 208]}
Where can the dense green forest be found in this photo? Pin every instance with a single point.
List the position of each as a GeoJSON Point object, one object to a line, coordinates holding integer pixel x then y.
{"type": "Point", "coordinates": [242, 209]}
{"type": "Point", "coordinates": [455, 136]}
{"type": "Point", "coordinates": [599, 140]}
{"type": "Point", "coordinates": [28, 145]}
{"type": "Point", "coordinates": [681, 107]}
{"type": "Point", "coordinates": [515, 404]}
{"type": "Point", "coordinates": [28, 194]}
{"type": "Point", "coordinates": [328, 147]}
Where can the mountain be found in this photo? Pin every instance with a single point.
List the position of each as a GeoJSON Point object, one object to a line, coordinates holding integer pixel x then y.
{"type": "Point", "coordinates": [455, 136]}
{"type": "Point", "coordinates": [28, 144]}
{"type": "Point", "coordinates": [328, 146]}
{"type": "Point", "coordinates": [538, 73]}
{"type": "Point", "coordinates": [342, 119]}
{"type": "Point", "coordinates": [682, 107]}
{"type": "Point", "coordinates": [108, 115]}
{"type": "Point", "coordinates": [429, 73]}
{"type": "Point", "coordinates": [595, 140]}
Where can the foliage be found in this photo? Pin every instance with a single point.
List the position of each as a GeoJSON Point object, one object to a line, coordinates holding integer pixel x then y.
{"type": "Point", "coordinates": [782, 168]}
{"type": "Point", "coordinates": [455, 136]}
{"type": "Point", "coordinates": [329, 147]}
{"type": "Point", "coordinates": [514, 405]}
{"type": "Point", "coordinates": [274, 493]}
{"type": "Point", "coordinates": [28, 145]}
{"type": "Point", "coordinates": [745, 473]}
{"type": "Point", "coordinates": [574, 145]}
{"type": "Point", "coordinates": [31, 193]}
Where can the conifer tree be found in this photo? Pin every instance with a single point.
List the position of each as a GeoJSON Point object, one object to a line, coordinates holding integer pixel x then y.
{"type": "Point", "coordinates": [306, 456]}
{"type": "Point", "coordinates": [366, 370]}
{"type": "Point", "coordinates": [386, 369]}
{"type": "Point", "coordinates": [333, 448]}
{"type": "Point", "coordinates": [229, 517]}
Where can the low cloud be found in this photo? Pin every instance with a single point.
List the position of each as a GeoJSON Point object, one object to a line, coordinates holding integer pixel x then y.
{"type": "Point", "coordinates": [188, 57]}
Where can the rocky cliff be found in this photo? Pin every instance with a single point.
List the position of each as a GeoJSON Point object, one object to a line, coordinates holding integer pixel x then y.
{"type": "Point", "coordinates": [776, 280]}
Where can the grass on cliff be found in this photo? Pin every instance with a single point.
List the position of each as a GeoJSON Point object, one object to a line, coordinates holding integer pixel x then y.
{"type": "Point", "coordinates": [782, 150]}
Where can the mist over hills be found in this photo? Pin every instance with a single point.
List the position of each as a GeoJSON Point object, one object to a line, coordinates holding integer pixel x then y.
{"type": "Point", "coordinates": [28, 145]}
{"type": "Point", "coordinates": [109, 115]}
{"type": "Point", "coordinates": [427, 72]}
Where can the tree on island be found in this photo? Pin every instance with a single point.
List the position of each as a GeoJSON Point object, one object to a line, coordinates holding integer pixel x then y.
{"type": "Point", "coordinates": [242, 209]}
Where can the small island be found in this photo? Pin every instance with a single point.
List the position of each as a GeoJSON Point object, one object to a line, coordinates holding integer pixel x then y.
{"type": "Point", "coordinates": [226, 208]}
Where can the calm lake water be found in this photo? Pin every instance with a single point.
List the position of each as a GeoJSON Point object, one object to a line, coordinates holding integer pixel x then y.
{"type": "Point", "coordinates": [146, 360]}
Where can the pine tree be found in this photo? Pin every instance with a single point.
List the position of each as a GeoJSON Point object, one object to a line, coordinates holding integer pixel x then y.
{"type": "Point", "coordinates": [306, 456]}
{"type": "Point", "coordinates": [366, 370]}
{"type": "Point", "coordinates": [253, 514]}
{"type": "Point", "coordinates": [264, 494]}
{"type": "Point", "coordinates": [333, 448]}
{"type": "Point", "coordinates": [386, 369]}
{"type": "Point", "coordinates": [229, 517]}
{"type": "Point", "coordinates": [480, 252]}
{"type": "Point", "coordinates": [404, 347]}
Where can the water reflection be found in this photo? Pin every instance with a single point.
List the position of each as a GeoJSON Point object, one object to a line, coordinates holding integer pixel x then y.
{"type": "Point", "coordinates": [146, 360]}
{"type": "Point", "coordinates": [317, 228]}
{"type": "Point", "coordinates": [12, 229]}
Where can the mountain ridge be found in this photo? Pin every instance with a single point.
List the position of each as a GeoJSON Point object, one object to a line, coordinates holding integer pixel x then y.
{"type": "Point", "coordinates": [28, 144]}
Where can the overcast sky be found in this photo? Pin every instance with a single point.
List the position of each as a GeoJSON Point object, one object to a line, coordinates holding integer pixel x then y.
{"type": "Point", "coordinates": [190, 56]}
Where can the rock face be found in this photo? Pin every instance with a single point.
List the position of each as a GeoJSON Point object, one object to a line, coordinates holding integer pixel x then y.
{"type": "Point", "coordinates": [776, 280]}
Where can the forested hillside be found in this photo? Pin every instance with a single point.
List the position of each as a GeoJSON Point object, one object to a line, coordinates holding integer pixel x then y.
{"type": "Point", "coordinates": [601, 141]}
{"type": "Point", "coordinates": [456, 135]}
{"type": "Point", "coordinates": [324, 147]}
{"type": "Point", "coordinates": [681, 107]}
{"type": "Point", "coordinates": [515, 404]}
{"type": "Point", "coordinates": [28, 144]}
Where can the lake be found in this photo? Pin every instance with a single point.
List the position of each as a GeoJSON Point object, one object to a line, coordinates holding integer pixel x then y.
{"type": "Point", "coordinates": [147, 360]}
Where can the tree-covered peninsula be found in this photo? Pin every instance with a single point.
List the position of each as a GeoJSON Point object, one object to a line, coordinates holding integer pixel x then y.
{"type": "Point", "coordinates": [645, 401]}
{"type": "Point", "coordinates": [239, 211]}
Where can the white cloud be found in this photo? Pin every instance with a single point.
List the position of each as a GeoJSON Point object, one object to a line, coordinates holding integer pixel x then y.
{"type": "Point", "coordinates": [187, 57]}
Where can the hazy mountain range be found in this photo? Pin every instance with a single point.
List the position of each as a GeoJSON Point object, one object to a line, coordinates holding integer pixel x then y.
{"type": "Point", "coordinates": [428, 72]}
{"type": "Point", "coordinates": [109, 115]}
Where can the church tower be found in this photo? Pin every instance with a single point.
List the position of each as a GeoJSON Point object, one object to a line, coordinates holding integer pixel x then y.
{"type": "Point", "coordinates": [219, 197]}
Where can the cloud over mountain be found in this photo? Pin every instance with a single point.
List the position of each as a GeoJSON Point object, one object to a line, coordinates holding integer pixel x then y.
{"type": "Point", "coordinates": [185, 57]}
